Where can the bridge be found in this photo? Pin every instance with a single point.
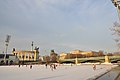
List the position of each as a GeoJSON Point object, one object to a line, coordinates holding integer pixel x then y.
{"type": "Point", "coordinates": [112, 59]}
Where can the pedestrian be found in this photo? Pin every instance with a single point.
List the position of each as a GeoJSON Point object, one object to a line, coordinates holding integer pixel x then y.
{"type": "Point", "coordinates": [46, 65]}
{"type": "Point", "coordinates": [30, 66]}
{"type": "Point", "coordinates": [19, 65]}
{"type": "Point", "coordinates": [54, 66]}
{"type": "Point", "coordinates": [94, 66]}
{"type": "Point", "coordinates": [51, 66]}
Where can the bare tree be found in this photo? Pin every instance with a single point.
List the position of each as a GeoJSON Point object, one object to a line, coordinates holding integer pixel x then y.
{"type": "Point", "coordinates": [53, 56]}
{"type": "Point", "coordinates": [47, 59]}
{"type": "Point", "coordinates": [116, 32]}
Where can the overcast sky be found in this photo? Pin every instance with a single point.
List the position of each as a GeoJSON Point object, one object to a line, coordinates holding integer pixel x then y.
{"type": "Point", "coordinates": [62, 25]}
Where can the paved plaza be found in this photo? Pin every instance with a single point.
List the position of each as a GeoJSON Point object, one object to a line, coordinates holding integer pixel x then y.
{"type": "Point", "coordinates": [63, 72]}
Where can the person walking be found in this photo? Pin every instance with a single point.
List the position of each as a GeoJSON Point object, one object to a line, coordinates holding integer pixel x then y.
{"type": "Point", "coordinates": [30, 66]}
{"type": "Point", "coordinates": [19, 64]}
{"type": "Point", "coordinates": [46, 65]}
{"type": "Point", "coordinates": [51, 66]}
{"type": "Point", "coordinates": [94, 66]}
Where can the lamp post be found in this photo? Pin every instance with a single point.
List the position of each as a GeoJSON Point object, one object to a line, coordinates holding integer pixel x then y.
{"type": "Point", "coordinates": [6, 44]}
{"type": "Point", "coordinates": [117, 5]}
{"type": "Point", "coordinates": [32, 45]}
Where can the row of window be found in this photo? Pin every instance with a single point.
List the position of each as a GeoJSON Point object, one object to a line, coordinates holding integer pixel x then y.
{"type": "Point", "coordinates": [7, 62]}
{"type": "Point", "coordinates": [3, 55]}
{"type": "Point", "coordinates": [32, 57]}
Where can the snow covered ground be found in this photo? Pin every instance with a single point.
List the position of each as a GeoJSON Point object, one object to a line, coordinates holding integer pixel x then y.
{"type": "Point", "coordinates": [40, 72]}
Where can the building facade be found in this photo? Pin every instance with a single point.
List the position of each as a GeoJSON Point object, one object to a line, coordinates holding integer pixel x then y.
{"type": "Point", "coordinates": [24, 55]}
{"type": "Point", "coordinates": [80, 54]}
{"type": "Point", "coordinates": [62, 56]}
{"type": "Point", "coordinates": [8, 59]}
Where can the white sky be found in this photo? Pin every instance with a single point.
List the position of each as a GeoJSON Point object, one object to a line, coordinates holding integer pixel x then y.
{"type": "Point", "coordinates": [62, 25]}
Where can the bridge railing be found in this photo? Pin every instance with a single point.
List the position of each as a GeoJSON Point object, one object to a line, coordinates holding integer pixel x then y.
{"type": "Point", "coordinates": [101, 59]}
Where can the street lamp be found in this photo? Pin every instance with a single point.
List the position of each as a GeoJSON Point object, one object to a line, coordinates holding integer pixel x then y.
{"type": "Point", "coordinates": [117, 5]}
{"type": "Point", "coordinates": [32, 45]}
{"type": "Point", "coordinates": [6, 44]}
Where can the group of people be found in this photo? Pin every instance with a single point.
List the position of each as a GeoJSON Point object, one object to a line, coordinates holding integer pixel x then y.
{"type": "Point", "coordinates": [26, 65]}
{"type": "Point", "coordinates": [52, 66]}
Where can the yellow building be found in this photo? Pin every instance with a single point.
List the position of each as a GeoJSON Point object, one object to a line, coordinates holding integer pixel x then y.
{"type": "Point", "coordinates": [62, 56]}
{"type": "Point", "coordinates": [24, 55]}
{"type": "Point", "coordinates": [76, 52]}
{"type": "Point", "coordinates": [79, 54]}
{"type": "Point", "coordinates": [85, 53]}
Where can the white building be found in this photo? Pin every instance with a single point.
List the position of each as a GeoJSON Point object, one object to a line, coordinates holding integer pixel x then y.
{"type": "Point", "coordinates": [10, 59]}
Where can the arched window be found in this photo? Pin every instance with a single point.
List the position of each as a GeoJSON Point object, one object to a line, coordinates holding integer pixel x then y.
{"type": "Point", "coordinates": [26, 56]}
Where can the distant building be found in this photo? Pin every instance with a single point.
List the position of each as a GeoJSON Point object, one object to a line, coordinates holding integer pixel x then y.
{"type": "Point", "coordinates": [10, 59]}
{"type": "Point", "coordinates": [80, 54]}
{"type": "Point", "coordinates": [76, 52]}
{"type": "Point", "coordinates": [62, 56]}
{"type": "Point", "coordinates": [24, 55]}
{"type": "Point", "coordinates": [87, 53]}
